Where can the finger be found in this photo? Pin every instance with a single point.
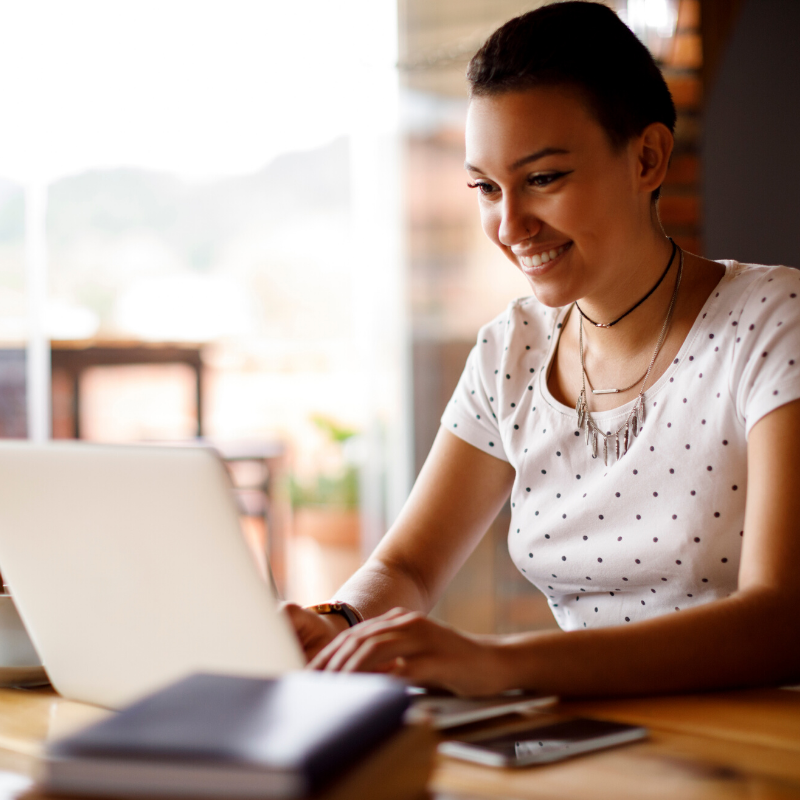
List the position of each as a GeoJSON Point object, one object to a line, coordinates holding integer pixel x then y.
{"type": "Point", "coordinates": [418, 651]}
{"type": "Point", "coordinates": [294, 612]}
{"type": "Point", "coordinates": [313, 630]}
{"type": "Point", "coordinates": [341, 651]}
{"type": "Point", "coordinates": [344, 640]}
{"type": "Point", "coordinates": [350, 639]}
{"type": "Point", "coordinates": [397, 611]}
{"type": "Point", "coordinates": [322, 659]}
{"type": "Point", "coordinates": [301, 618]}
{"type": "Point", "coordinates": [379, 652]}
{"type": "Point", "coordinates": [423, 668]}
{"type": "Point", "coordinates": [312, 647]}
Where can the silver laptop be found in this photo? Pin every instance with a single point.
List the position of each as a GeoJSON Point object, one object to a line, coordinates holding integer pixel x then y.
{"type": "Point", "coordinates": [129, 570]}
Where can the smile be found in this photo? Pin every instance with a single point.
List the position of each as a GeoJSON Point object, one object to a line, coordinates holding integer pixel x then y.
{"type": "Point", "coordinates": [542, 258]}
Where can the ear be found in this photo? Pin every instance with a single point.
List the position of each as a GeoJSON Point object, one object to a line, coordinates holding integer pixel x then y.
{"type": "Point", "coordinates": [654, 150]}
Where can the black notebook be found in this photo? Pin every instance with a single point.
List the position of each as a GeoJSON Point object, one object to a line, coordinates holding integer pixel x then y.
{"type": "Point", "coordinates": [225, 736]}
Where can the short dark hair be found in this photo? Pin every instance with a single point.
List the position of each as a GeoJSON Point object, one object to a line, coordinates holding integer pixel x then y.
{"type": "Point", "coordinates": [585, 46]}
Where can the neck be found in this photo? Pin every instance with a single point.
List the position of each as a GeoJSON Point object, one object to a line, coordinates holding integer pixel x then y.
{"type": "Point", "coordinates": [621, 292]}
{"type": "Point", "coordinates": [639, 302]}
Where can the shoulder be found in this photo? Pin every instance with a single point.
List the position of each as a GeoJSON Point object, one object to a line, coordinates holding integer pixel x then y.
{"type": "Point", "coordinates": [763, 292]}
{"type": "Point", "coordinates": [743, 279]}
{"type": "Point", "coordinates": [749, 294]}
{"type": "Point", "coordinates": [764, 368]}
{"type": "Point", "coordinates": [524, 316]}
{"type": "Point", "coordinates": [525, 329]}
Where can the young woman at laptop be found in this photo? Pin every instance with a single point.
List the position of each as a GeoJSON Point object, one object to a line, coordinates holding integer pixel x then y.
{"type": "Point", "coordinates": [641, 410]}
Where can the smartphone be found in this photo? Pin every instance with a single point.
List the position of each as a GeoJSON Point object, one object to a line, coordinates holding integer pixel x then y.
{"type": "Point", "coordinates": [543, 744]}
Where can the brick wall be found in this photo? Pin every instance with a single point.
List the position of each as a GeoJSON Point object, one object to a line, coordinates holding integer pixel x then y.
{"type": "Point", "coordinates": [680, 207]}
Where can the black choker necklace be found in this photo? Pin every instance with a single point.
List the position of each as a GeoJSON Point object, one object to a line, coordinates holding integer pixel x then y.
{"type": "Point", "coordinates": [633, 307]}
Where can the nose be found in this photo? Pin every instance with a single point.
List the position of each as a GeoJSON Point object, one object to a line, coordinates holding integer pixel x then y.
{"type": "Point", "coordinates": [517, 222]}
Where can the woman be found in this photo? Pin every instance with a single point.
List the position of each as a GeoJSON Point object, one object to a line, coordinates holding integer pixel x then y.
{"type": "Point", "coordinates": [640, 409]}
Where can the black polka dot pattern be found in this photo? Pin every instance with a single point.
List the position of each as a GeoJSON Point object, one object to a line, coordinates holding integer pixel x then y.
{"type": "Point", "coordinates": [657, 531]}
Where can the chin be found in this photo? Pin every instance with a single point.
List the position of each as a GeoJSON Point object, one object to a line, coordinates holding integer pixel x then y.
{"type": "Point", "coordinates": [551, 296]}
{"type": "Point", "coordinates": [554, 283]}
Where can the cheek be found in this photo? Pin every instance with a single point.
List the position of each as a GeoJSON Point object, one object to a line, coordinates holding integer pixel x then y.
{"type": "Point", "coordinates": [569, 210]}
{"type": "Point", "coordinates": [490, 222]}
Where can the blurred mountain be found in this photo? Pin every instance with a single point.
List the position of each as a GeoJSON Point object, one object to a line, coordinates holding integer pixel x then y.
{"type": "Point", "coordinates": [281, 235]}
{"type": "Point", "coordinates": [196, 220]}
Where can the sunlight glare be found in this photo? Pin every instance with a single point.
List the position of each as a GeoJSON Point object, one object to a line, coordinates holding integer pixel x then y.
{"type": "Point", "coordinates": [201, 89]}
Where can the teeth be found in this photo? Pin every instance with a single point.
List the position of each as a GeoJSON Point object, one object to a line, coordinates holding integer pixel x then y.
{"type": "Point", "coordinates": [541, 258]}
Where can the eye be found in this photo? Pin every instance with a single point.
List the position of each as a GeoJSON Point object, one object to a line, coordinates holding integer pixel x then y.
{"type": "Point", "coordinates": [546, 178]}
{"type": "Point", "coordinates": [482, 187]}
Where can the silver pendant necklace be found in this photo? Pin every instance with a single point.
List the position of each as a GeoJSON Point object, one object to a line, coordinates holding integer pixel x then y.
{"type": "Point", "coordinates": [613, 391]}
{"type": "Point", "coordinates": [624, 435]}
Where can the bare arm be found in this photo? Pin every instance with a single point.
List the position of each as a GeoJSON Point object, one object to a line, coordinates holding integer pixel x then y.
{"type": "Point", "coordinates": [750, 638]}
{"type": "Point", "coordinates": [458, 493]}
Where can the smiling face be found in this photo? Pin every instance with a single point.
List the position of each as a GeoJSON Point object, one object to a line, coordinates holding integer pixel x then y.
{"type": "Point", "coordinates": [564, 207]}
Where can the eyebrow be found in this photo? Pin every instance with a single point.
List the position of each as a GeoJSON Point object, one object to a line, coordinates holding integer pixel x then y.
{"type": "Point", "coordinates": [547, 151]}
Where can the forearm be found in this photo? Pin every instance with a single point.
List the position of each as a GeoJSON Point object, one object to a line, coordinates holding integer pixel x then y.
{"type": "Point", "coordinates": [458, 493]}
{"type": "Point", "coordinates": [378, 586]}
{"type": "Point", "coordinates": [747, 639]}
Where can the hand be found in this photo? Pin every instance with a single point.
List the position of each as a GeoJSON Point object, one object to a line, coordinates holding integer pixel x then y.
{"type": "Point", "coordinates": [314, 630]}
{"type": "Point", "coordinates": [410, 646]}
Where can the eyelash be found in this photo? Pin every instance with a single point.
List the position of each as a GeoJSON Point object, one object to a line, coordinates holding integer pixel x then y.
{"type": "Point", "coordinates": [547, 179]}
{"type": "Point", "coordinates": [538, 181]}
{"type": "Point", "coordinates": [485, 188]}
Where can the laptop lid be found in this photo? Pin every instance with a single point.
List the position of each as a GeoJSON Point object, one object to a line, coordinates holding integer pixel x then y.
{"type": "Point", "coordinates": [130, 571]}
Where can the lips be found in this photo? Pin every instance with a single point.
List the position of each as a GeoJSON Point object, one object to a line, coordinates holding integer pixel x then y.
{"type": "Point", "coordinates": [544, 257]}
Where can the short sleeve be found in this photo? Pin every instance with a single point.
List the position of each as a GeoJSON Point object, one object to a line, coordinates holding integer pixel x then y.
{"type": "Point", "coordinates": [766, 358]}
{"type": "Point", "coordinates": [471, 412]}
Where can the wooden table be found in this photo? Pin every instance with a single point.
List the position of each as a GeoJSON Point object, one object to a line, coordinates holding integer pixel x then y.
{"type": "Point", "coordinates": [725, 745]}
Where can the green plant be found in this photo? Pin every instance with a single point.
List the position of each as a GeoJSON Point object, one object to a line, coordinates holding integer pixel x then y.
{"type": "Point", "coordinates": [337, 489]}
{"type": "Point", "coordinates": [335, 432]}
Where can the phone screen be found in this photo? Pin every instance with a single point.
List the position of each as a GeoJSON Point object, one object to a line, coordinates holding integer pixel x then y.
{"type": "Point", "coordinates": [546, 743]}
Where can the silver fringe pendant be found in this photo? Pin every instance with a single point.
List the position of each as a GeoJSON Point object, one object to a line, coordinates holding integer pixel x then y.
{"type": "Point", "coordinates": [634, 422]}
{"type": "Point", "coordinates": [580, 409]}
{"type": "Point", "coordinates": [622, 437]}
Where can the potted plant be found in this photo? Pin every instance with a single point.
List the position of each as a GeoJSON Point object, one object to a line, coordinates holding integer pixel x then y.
{"type": "Point", "coordinates": [326, 505]}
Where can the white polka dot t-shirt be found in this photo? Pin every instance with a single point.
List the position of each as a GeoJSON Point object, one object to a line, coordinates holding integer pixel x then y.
{"type": "Point", "coordinates": [659, 529]}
